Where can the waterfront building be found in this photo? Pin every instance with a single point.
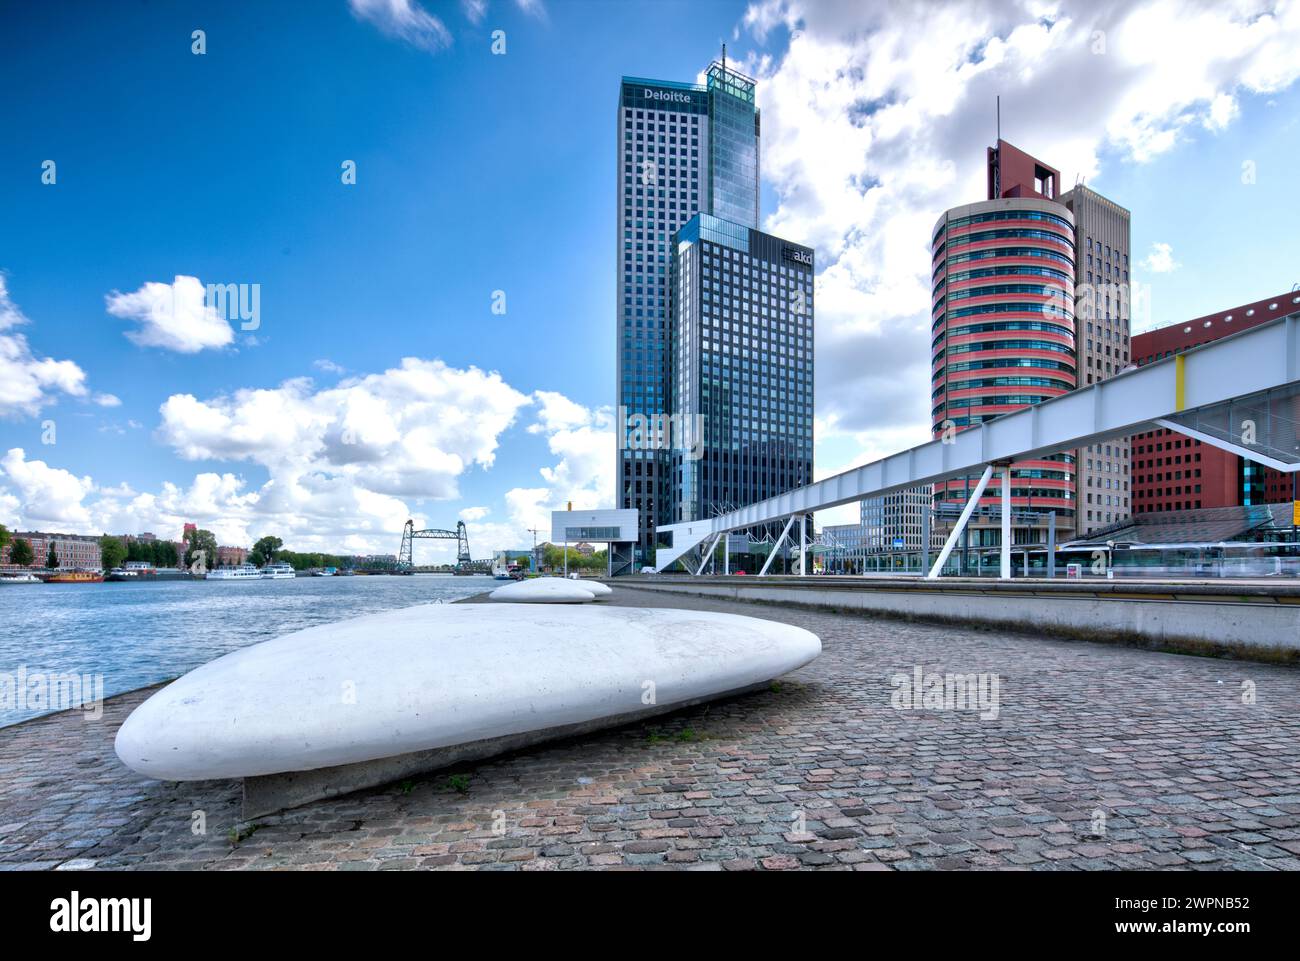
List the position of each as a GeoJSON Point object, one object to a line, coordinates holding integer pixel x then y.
{"type": "Point", "coordinates": [73, 551]}
{"type": "Point", "coordinates": [231, 556]}
{"type": "Point", "coordinates": [683, 148]}
{"type": "Point", "coordinates": [1102, 341]}
{"type": "Point", "coordinates": [742, 366]}
{"type": "Point", "coordinates": [1003, 334]}
{"type": "Point", "coordinates": [1173, 472]}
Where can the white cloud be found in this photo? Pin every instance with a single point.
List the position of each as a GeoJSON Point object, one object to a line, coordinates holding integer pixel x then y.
{"type": "Point", "coordinates": [534, 8]}
{"type": "Point", "coordinates": [49, 495]}
{"type": "Point", "coordinates": [410, 431]}
{"type": "Point", "coordinates": [172, 316]}
{"type": "Point", "coordinates": [876, 118]}
{"type": "Point", "coordinates": [474, 10]}
{"type": "Point", "coordinates": [1160, 260]}
{"type": "Point", "coordinates": [28, 381]}
{"type": "Point", "coordinates": [406, 20]}
{"type": "Point", "coordinates": [328, 366]}
{"type": "Point", "coordinates": [583, 440]}
{"type": "Point", "coordinates": [108, 400]}
{"type": "Point", "coordinates": [418, 430]}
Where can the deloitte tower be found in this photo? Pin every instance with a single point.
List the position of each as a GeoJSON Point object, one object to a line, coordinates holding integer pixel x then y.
{"type": "Point", "coordinates": [686, 150]}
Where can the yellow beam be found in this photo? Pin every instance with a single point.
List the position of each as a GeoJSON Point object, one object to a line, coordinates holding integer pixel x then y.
{"type": "Point", "coordinates": [1180, 382]}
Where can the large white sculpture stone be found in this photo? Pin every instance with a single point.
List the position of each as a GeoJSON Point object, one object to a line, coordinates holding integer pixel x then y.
{"type": "Point", "coordinates": [444, 674]}
{"type": "Point", "coordinates": [545, 590]}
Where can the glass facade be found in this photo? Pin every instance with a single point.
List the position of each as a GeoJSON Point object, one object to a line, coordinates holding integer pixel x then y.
{"type": "Point", "coordinates": [668, 171]}
{"type": "Point", "coordinates": [662, 181]}
{"type": "Point", "coordinates": [742, 308]}
{"type": "Point", "coordinates": [733, 146]}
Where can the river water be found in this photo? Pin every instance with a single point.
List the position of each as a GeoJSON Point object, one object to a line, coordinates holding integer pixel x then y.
{"type": "Point", "coordinates": [136, 634]}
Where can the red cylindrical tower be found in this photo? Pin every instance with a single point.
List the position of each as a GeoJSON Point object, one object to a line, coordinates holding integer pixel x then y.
{"type": "Point", "coordinates": [1002, 334]}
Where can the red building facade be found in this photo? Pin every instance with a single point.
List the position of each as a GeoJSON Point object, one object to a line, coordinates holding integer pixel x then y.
{"type": "Point", "coordinates": [1172, 472]}
{"type": "Point", "coordinates": [1002, 331]}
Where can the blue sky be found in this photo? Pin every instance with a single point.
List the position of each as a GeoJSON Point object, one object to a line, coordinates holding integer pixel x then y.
{"type": "Point", "coordinates": [478, 173]}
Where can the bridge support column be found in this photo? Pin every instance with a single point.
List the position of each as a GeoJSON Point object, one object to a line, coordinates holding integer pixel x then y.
{"type": "Point", "coordinates": [961, 523]}
{"type": "Point", "coordinates": [803, 544]}
{"type": "Point", "coordinates": [1005, 572]}
{"type": "Point", "coordinates": [775, 547]}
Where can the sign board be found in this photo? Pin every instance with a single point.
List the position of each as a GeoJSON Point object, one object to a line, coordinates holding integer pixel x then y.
{"type": "Point", "coordinates": [1295, 513]}
{"type": "Point", "coordinates": [900, 542]}
{"type": "Point", "coordinates": [738, 543]}
{"type": "Point", "coordinates": [798, 255]}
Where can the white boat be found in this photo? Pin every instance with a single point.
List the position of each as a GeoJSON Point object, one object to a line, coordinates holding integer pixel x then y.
{"type": "Point", "coordinates": [442, 683]}
{"type": "Point", "coordinates": [24, 578]}
{"type": "Point", "coordinates": [277, 571]}
{"type": "Point", "coordinates": [245, 572]}
{"type": "Point", "coordinates": [324, 572]}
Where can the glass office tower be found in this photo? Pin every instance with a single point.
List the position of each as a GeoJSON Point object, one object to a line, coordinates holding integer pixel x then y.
{"type": "Point", "coordinates": [742, 309]}
{"type": "Point", "coordinates": [682, 149]}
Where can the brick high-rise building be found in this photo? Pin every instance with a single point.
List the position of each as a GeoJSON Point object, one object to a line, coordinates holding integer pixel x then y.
{"type": "Point", "coordinates": [1174, 472]}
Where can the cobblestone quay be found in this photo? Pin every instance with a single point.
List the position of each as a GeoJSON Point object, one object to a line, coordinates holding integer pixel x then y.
{"type": "Point", "coordinates": [1099, 757]}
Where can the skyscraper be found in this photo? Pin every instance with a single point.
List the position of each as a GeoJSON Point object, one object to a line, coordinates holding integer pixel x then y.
{"type": "Point", "coordinates": [742, 308]}
{"type": "Point", "coordinates": [1003, 334]}
{"type": "Point", "coordinates": [683, 149]}
{"type": "Point", "coordinates": [1102, 326]}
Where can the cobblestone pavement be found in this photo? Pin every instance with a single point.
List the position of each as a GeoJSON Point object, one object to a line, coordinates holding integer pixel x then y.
{"type": "Point", "coordinates": [1100, 757]}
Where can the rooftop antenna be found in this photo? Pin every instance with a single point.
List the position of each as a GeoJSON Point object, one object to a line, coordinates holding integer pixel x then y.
{"type": "Point", "coordinates": [999, 118]}
{"type": "Point", "coordinates": [724, 59]}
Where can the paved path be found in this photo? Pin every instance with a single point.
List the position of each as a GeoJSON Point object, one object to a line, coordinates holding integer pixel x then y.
{"type": "Point", "coordinates": [1100, 757]}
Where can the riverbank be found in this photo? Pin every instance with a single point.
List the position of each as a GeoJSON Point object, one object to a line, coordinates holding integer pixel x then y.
{"type": "Point", "coordinates": [1098, 758]}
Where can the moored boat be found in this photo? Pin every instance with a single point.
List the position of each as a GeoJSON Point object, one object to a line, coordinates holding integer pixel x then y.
{"type": "Point", "coordinates": [23, 577]}
{"type": "Point", "coordinates": [277, 571]}
{"type": "Point", "coordinates": [244, 572]}
{"type": "Point", "coordinates": [75, 577]}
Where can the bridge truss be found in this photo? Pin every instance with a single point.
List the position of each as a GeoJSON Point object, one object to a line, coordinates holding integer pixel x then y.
{"type": "Point", "coordinates": [406, 556]}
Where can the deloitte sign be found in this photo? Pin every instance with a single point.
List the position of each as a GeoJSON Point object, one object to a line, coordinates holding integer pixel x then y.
{"type": "Point", "coordinates": [643, 95]}
{"type": "Point", "coordinates": [675, 96]}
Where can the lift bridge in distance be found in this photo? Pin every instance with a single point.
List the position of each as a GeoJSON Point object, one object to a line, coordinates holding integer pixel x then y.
{"type": "Point", "coordinates": [465, 563]}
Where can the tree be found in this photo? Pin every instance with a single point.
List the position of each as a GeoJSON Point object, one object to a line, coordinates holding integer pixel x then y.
{"type": "Point", "coordinates": [21, 552]}
{"type": "Point", "coordinates": [111, 552]}
{"type": "Point", "coordinates": [52, 558]}
{"type": "Point", "coordinates": [5, 537]}
{"type": "Point", "coordinates": [264, 550]}
{"type": "Point", "coordinates": [203, 541]}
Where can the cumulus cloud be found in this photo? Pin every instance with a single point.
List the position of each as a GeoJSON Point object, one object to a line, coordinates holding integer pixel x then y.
{"type": "Point", "coordinates": [410, 431]}
{"type": "Point", "coordinates": [583, 441]}
{"type": "Point", "coordinates": [49, 494]}
{"type": "Point", "coordinates": [1160, 260]}
{"type": "Point", "coordinates": [406, 20]}
{"type": "Point", "coordinates": [28, 381]}
{"type": "Point", "coordinates": [173, 316]}
{"type": "Point", "coordinates": [876, 117]}
{"type": "Point", "coordinates": [416, 431]}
